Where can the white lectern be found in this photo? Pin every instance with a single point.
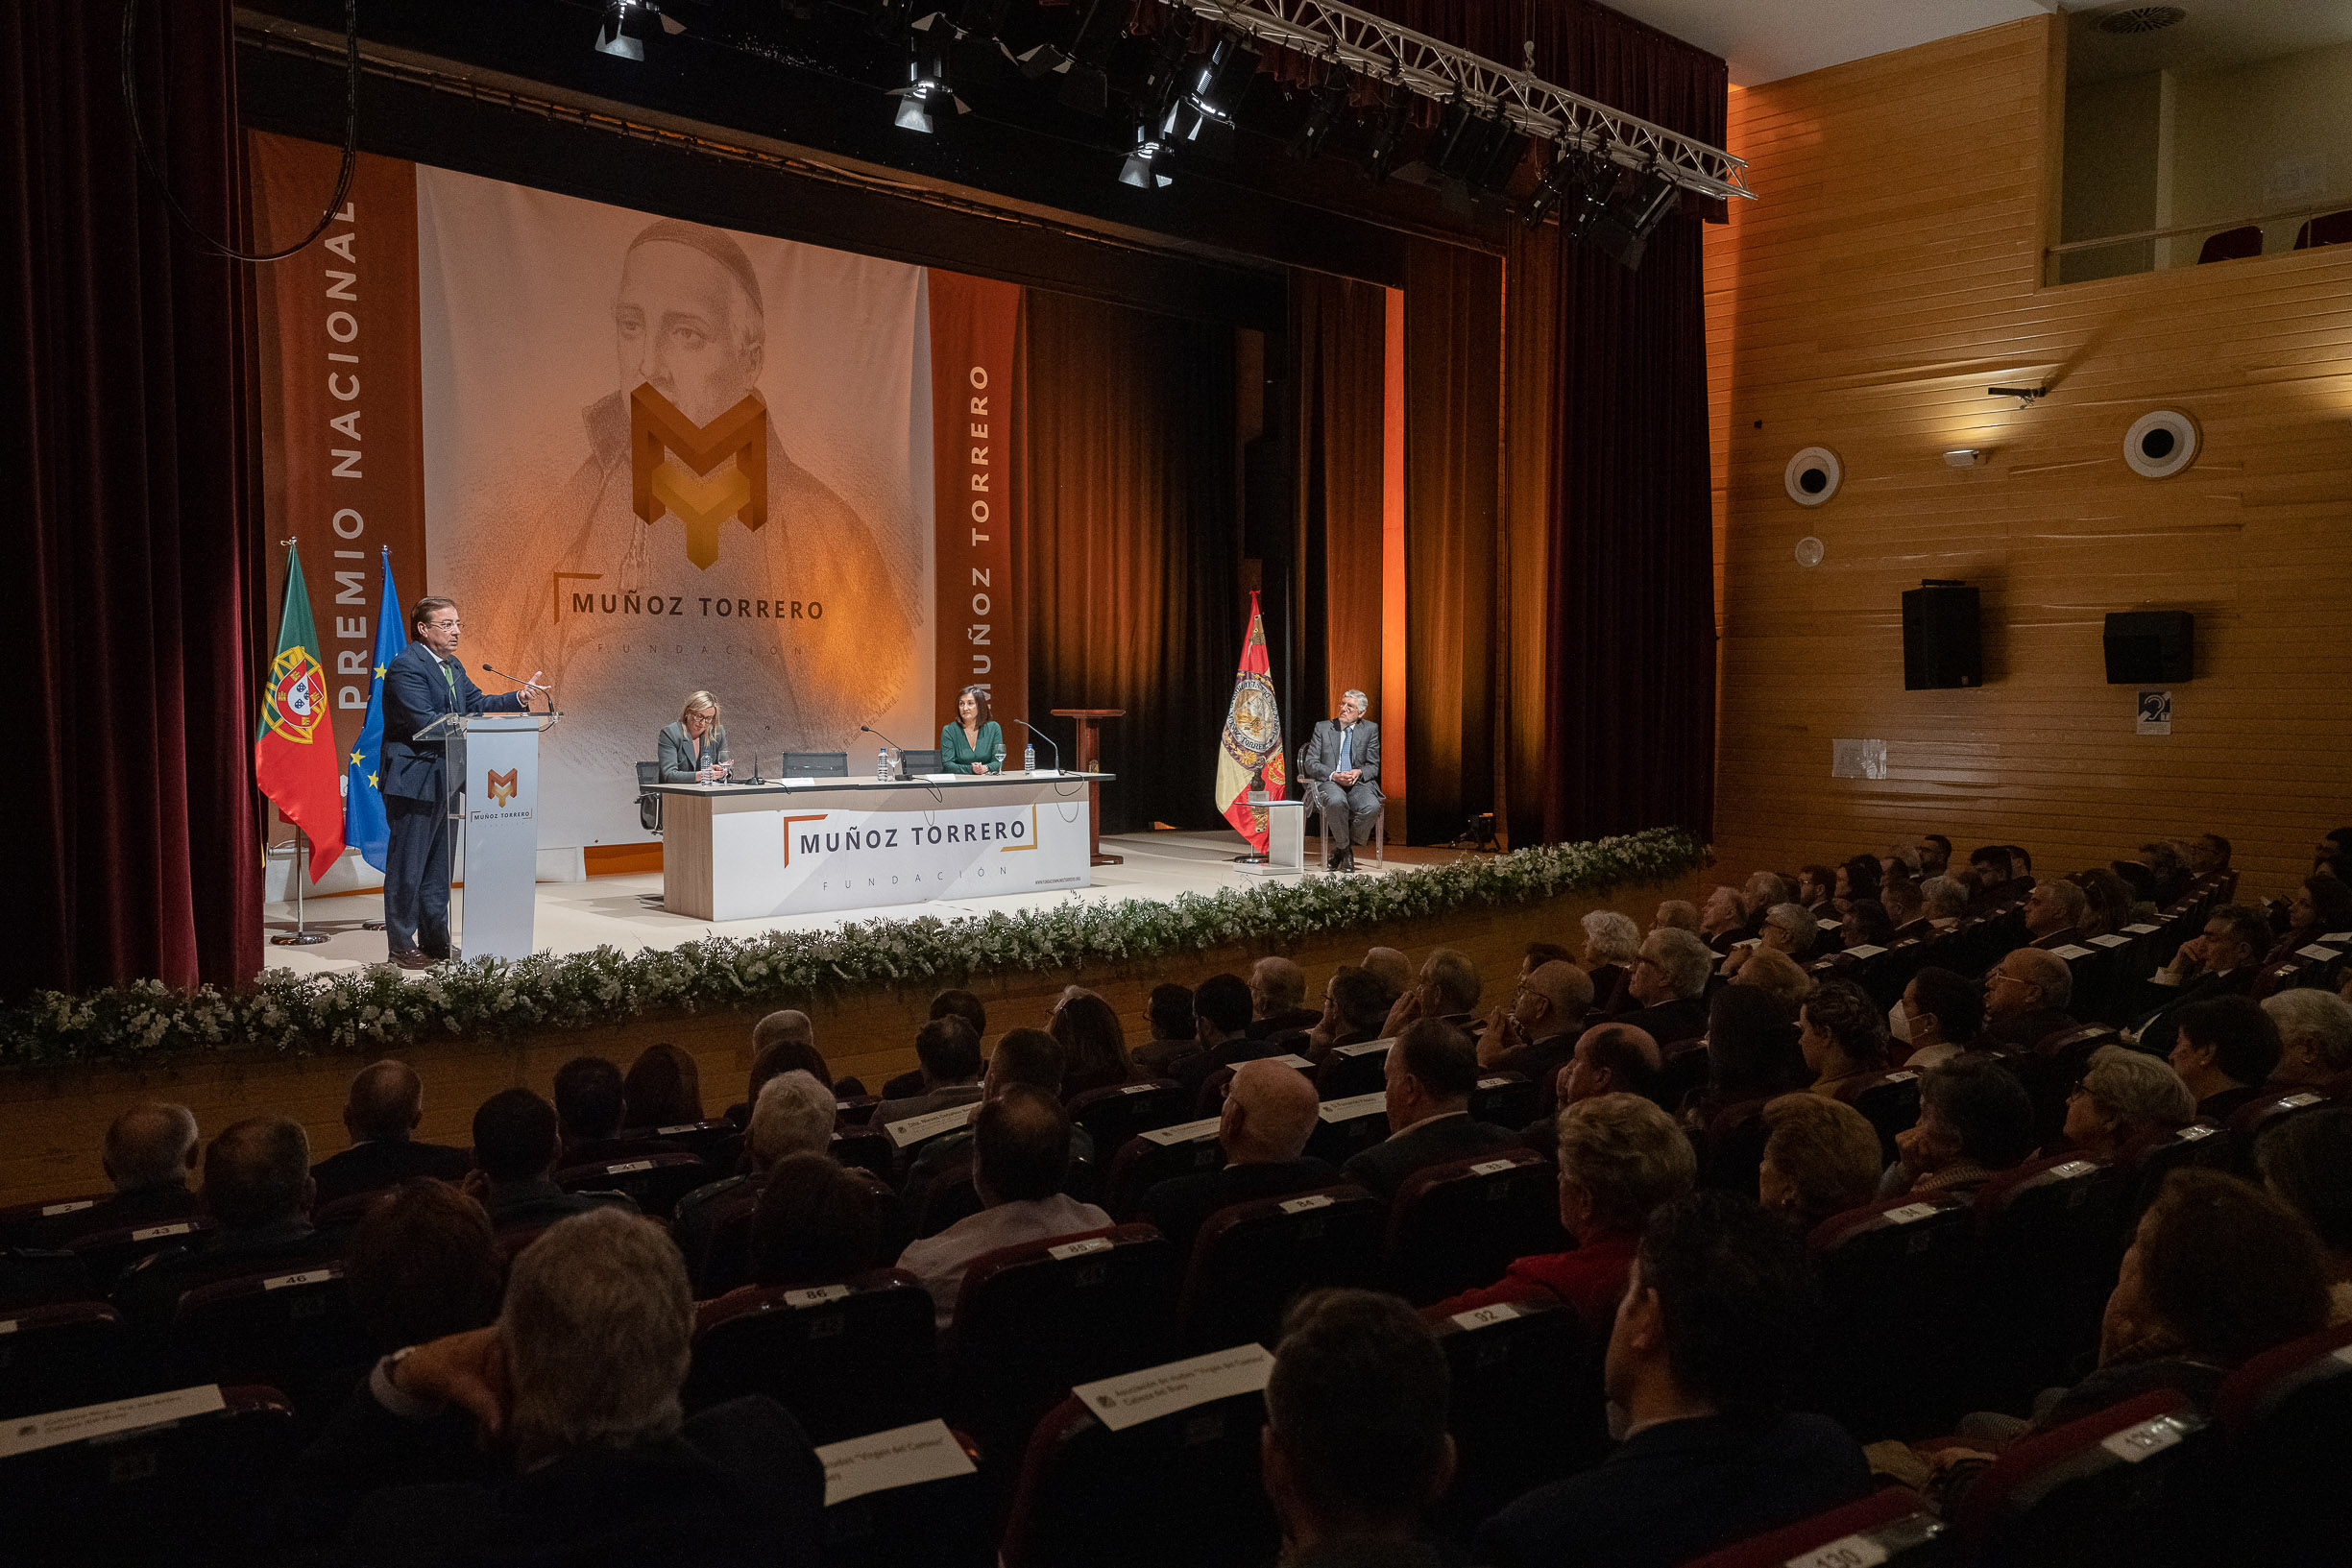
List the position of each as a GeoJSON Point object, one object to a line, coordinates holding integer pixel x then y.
{"type": "Point", "coordinates": [490, 764]}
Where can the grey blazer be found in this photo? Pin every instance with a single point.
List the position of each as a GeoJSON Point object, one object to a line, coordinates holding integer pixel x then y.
{"type": "Point", "coordinates": [676, 752]}
{"type": "Point", "coordinates": [1321, 755]}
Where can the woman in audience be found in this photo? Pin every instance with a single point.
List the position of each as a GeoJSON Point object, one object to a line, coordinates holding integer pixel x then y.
{"type": "Point", "coordinates": [1940, 1014]}
{"type": "Point", "coordinates": [1975, 1120]}
{"type": "Point", "coordinates": [1611, 943]}
{"type": "Point", "coordinates": [2110, 902]}
{"type": "Point", "coordinates": [1089, 1031]}
{"type": "Point", "coordinates": [1751, 1053]}
{"type": "Point", "coordinates": [2306, 1163]}
{"type": "Point", "coordinates": [1857, 879]}
{"type": "Point", "coordinates": [1821, 1157]}
{"type": "Point", "coordinates": [2125, 1099]}
{"type": "Point", "coordinates": [815, 1223]}
{"type": "Point", "coordinates": [1620, 1157]}
{"type": "Point", "coordinates": [1842, 1034]}
{"type": "Point", "coordinates": [663, 1089]}
{"type": "Point", "coordinates": [1865, 924]}
{"type": "Point", "coordinates": [2224, 1049]}
{"type": "Point", "coordinates": [1779, 976]}
{"type": "Point", "coordinates": [2321, 907]}
{"type": "Point", "coordinates": [423, 1264]}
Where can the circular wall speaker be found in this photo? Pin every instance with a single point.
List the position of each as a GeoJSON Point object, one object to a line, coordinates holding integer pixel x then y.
{"type": "Point", "coordinates": [2160, 444]}
{"type": "Point", "coordinates": [1811, 477]}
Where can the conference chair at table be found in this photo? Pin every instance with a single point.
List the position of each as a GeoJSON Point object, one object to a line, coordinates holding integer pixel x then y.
{"type": "Point", "coordinates": [846, 1357]}
{"type": "Point", "coordinates": [649, 797]}
{"type": "Point", "coordinates": [1251, 1260]}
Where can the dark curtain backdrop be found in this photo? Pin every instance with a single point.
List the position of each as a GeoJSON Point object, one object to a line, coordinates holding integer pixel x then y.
{"type": "Point", "coordinates": [1339, 331]}
{"type": "Point", "coordinates": [130, 551]}
{"type": "Point", "coordinates": [1453, 444]}
{"type": "Point", "coordinates": [1134, 545]}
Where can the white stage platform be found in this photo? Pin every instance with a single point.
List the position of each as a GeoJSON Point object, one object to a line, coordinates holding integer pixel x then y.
{"type": "Point", "coordinates": [625, 911]}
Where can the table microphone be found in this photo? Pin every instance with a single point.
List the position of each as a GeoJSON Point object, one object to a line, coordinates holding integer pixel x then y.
{"type": "Point", "coordinates": [868, 728]}
{"type": "Point", "coordinates": [1042, 736]}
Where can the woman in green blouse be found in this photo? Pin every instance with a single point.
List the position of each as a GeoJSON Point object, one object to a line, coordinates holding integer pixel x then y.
{"type": "Point", "coordinates": [972, 743]}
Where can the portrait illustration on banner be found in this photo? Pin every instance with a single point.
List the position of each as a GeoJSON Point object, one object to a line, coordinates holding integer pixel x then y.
{"type": "Point", "coordinates": [737, 504]}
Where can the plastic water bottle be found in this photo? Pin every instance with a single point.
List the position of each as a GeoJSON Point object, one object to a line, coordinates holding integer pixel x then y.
{"type": "Point", "coordinates": [1029, 758]}
{"type": "Point", "coordinates": [882, 765]}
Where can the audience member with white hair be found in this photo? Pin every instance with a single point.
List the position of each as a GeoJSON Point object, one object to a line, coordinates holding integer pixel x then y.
{"type": "Point", "coordinates": [1677, 914]}
{"type": "Point", "coordinates": [1721, 918]}
{"type": "Point", "coordinates": [585, 1453]}
{"type": "Point", "coordinates": [1669, 983]}
{"type": "Point", "coordinates": [2025, 1000]}
{"type": "Point", "coordinates": [2315, 1030]}
{"type": "Point", "coordinates": [1787, 928]}
{"type": "Point", "coordinates": [2125, 1097]}
{"type": "Point", "coordinates": [1611, 942]}
{"type": "Point", "coordinates": [150, 1154]}
{"type": "Point", "coordinates": [1945, 899]}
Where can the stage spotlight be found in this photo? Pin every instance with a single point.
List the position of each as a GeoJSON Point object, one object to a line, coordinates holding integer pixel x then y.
{"type": "Point", "coordinates": [1202, 115]}
{"type": "Point", "coordinates": [1142, 169]}
{"type": "Point", "coordinates": [1381, 160]}
{"type": "Point", "coordinates": [1565, 174]}
{"type": "Point", "coordinates": [1330, 104]}
{"type": "Point", "coordinates": [928, 41]}
{"type": "Point", "coordinates": [1622, 229]}
{"type": "Point", "coordinates": [626, 26]}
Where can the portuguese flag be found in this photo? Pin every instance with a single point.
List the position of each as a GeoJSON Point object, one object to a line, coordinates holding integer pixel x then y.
{"type": "Point", "coordinates": [295, 761]}
{"type": "Point", "coordinates": [1251, 745]}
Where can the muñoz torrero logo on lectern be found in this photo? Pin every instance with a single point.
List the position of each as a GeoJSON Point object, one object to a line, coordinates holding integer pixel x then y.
{"type": "Point", "coordinates": [500, 787]}
{"type": "Point", "coordinates": [676, 466]}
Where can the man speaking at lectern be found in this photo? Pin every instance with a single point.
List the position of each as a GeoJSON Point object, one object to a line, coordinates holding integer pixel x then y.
{"type": "Point", "coordinates": [1341, 762]}
{"type": "Point", "coordinates": [424, 684]}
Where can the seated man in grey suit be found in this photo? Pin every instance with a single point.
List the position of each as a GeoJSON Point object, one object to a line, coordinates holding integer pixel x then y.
{"type": "Point", "coordinates": [1431, 1071]}
{"type": "Point", "coordinates": [1341, 764]}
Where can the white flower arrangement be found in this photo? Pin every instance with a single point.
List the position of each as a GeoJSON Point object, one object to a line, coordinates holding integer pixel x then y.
{"type": "Point", "coordinates": [378, 1008]}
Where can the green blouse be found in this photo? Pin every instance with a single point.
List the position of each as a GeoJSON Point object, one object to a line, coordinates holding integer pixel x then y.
{"type": "Point", "coordinates": [958, 756]}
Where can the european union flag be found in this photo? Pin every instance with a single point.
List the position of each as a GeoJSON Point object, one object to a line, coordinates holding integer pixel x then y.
{"type": "Point", "coordinates": [364, 824]}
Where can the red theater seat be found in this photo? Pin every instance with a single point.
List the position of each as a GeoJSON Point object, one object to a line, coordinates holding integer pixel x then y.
{"type": "Point", "coordinates": [654, 1182]}
{"type": "Point", "coordinates": [1458, 1225]}
{"type": "Point", "coordinates": [1180, 1491]}
{"type": "Point", "coordinates": [56, 1358]}
{"type": "Point", "coordinates": [2086, 1494]}
{"type": "Point", "coordinates": [847, 1359]}
{"type": "Point", "coordinates": [1251, 1260]}
{"type": "Point", "coordinates": [1525, 1403]}
{"type": "Point", "coordinates": [294, 1330]}
{"type": "Point", "coordinates": [1185, 1149]}
{"type": "Point", "coordinates": [1113, 1114]}
{"type": "Point", "coordinates": [2049, 1236]}
{"type": "Point", "coordinates": [1888, 1527]}
{"type": "Point", "coordinates": [1900, 1272]}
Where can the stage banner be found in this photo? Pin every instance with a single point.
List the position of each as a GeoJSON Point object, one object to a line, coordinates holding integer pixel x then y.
{"type": "Point", "coordinates": [982, 615]}
{"type": "Point", "coordinates": [342, 459]}
{"type": "Point", "coordinates": [662, 457]}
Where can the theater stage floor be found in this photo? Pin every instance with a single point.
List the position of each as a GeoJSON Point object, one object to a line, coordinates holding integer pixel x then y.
{"type": "Point", "coordinates": [625, 911]}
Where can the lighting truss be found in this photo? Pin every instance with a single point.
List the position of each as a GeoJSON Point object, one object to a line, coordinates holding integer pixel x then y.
{"type": "Point", "coordinates": [1330, 31]}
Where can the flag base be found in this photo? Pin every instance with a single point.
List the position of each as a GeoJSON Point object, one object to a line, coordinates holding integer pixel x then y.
{"type": "Point", "coordinates": [299, 939]}
{"type": "Point", "coordinates": [372, 926]}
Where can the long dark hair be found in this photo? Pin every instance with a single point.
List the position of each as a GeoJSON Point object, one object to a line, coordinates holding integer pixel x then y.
{"type": "Point", "coordinates": [983, 717]}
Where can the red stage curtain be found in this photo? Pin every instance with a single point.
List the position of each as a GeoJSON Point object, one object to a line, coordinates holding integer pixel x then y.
{"type": "Point", "coordinates": [1338, 330]}
{"type": "Point", "coordinates": [132, 825]}
{"type": "Point", "coordinates": [1133, 545]}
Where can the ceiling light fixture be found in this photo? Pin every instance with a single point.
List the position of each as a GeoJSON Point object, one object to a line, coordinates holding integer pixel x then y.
{"type": "Point", "coordinates": [626, 27]}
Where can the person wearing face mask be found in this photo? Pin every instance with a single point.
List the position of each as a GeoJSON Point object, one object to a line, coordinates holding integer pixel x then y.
{"type": "Point", "coordinates": [1939, 1016]}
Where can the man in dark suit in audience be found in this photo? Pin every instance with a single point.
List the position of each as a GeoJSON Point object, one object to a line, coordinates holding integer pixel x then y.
{"type": "Point", "coordinates": [1355, 1007]}
{"type": "Point", "coordinates": [386, 1102]}
{"type": "Point", "coordinates": [2054, 913]}
{"type": "Point", "coordinates": [2224, 1049]}
{"type": "Point", "coordinates": [1355, 1446]}
{"type": "Point", "coordinates": [1906, 909]}
{"type": "Point", "coordinates": [258, 1190]}
{"type": "Point", "coordinates": [589, 1104]}
{"type": "Point", "coordinates": [426, 682]}
{"type": "Point", "coordinates": [1669, 979]}
{"type": "Point", "coordinates": [1269, 1115]}
{"type": "Point", "coordinates": [2220, 963]}
{"type": "Point", "coordinates": [1722, 919]}
{"type": "Point", "coordinates": [1030, 1058]}
{"type": "Point", "coordinates": [793, 1115]}
{"type": "Point", "coordinates": [1706, 1352]}
{"type": "Point", "coordinates": [2026, 1000]}
{"type": "Point", "coordinates": [515, 1144]}
{"type": "Point", "coordinates": [1277, 999]}
{"type": "Point", "coordinates": [582, 1456]}
{"type": "Point", "coordinates": [1431, 1071]}
{"type": "Point", "coordinates": [949, 1050]}
{"type": "Point", "coordinates": [1221, 1021]}
{"type": "Point", "coordinates": [1535, 1032]}
{"type": "Point", "coordinates": [1992, 884]}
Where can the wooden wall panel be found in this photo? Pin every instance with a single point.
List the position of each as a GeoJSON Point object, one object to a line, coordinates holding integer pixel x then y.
{"type": "Point", "coordinates": [1889, 274]}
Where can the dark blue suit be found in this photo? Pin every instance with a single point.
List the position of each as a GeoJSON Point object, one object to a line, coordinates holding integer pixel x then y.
{"type": "Point", "coordinates": [416, 859]}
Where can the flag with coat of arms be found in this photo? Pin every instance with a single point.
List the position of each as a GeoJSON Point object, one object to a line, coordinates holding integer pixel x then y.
{"type": "Point", "coordinates": [1252, 746]}
{"type": "Point", "coordinates": [294, 745]}
{"type": "Point", "coordinates": [366, 828]}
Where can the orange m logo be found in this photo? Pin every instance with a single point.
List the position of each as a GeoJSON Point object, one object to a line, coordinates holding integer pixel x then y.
{"type": "Point", "coordinates": [670, 464]}
{"type": "Point", "coordinates": [501, 786]}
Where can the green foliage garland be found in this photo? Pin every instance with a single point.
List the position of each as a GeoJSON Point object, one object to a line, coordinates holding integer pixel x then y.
{"type": "Point", "coordinates": [378, 1008]}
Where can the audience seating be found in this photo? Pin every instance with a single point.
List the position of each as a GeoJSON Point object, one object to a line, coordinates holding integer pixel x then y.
{"type": "Point", "coordinates": [2198, 1144]}
{"type": "Point", "coordinates": [347, 1210]}
{"type": "Point", "coordinates": [1888, 1527]}
{"type": "Point", "coordinates": [51, 1223]}
{"type": "Point", "coordinates": [1685, 1071]}
{"type": "Point", "coordinates": [1360, 1069]}
{"type": "Point", "coordinates": [854, 1109]}
{"type": "Point", "coordinates": [1179, 1491]}
{"type": "Point", "coordinates": [1525, 1404]}
{"type": "Point", "coordinates": [859, 1148]}
{"type": "Point", "coordinates": [1732, 1150]}
{"type": "Point", "coordinates": [34, 1278]}
{"type": "Point", "coordinates": [2328, 228]}
{"type": "Point", "coordinates": [293, 1330]}
{"type": "Point", "coordinates": [1250, 1260]}
{"type": "Point", "coordinates": [2257, 1116]}
{"type": "Point", "coordinates": [2051, 1069]}
{"type": "Point", "coordinates": [1893, 1364]}
{"type": "Point", "coordinates": [718, 1144]}
{"type": "Point", "coordinates": [1113, 1114]}
{"type": "Point", "coordinates": [2274, 1492]}
{"type": "Point", "coordinates": [1142, 1161]}
{"type": "Point", "coordinates": [2049, 1236]}
{"type": "Point", "coordinates": [1889, 1100]}
{"type": "Point", "coordinates": [1211, 1098]}
{"type": "Point", "coordinates": [1346, 1128]}
{"type": "Point", "coordinates": [847, 1359]}
{"type": "Point", "coordinates": [1034, 1319]}
{"type": "Point", "coordinates": [2231, 244]}
{"type": "Point", "coordinates": [1506, 1100]}
{"type": "Point", "coordinates": [1458, 1225]}
{"type": "Point", "coordinates": [950, 1197]}
{"type": "Point", "coordinates": [948, 1523]}
{"type": "Point", "coordinates": [2086, 1494]}
{"type": "Point", "coordinates": [64, 1355]}
{"type": "Point", "coordinates": [180, 1491]}
{"type": "Point", "coordinates": [654, 1182]}
{"type": "Point", "coordinates": [106, 1254]}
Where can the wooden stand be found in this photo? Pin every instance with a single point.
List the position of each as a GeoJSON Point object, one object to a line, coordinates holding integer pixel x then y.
{"type": "Point", "coordinates": [1090, 760]}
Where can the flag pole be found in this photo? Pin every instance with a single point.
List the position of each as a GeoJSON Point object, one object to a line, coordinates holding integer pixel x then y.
{"type": "Point", "coordinates": [301, 935]}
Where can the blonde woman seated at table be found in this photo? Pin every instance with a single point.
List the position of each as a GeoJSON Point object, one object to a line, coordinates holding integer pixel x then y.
{"type": "Point", "coordinates": [972, 743]}
{"type": "Point", "coordinates": [695, 749]}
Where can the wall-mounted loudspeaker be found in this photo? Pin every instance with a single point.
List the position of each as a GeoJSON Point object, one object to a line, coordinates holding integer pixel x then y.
{"type": "Point", "coordinates": [2160, 444]}
{"type": "Point", "coordinates": [1942, 646]}
{"type": "Point", "coordinates": [2148, 646]}
{"type": "Point", "coordinates": [1811, 477]}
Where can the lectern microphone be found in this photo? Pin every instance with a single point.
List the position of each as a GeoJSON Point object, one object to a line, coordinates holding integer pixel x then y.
{"type": "Point", "coordinates": [516, 679]}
